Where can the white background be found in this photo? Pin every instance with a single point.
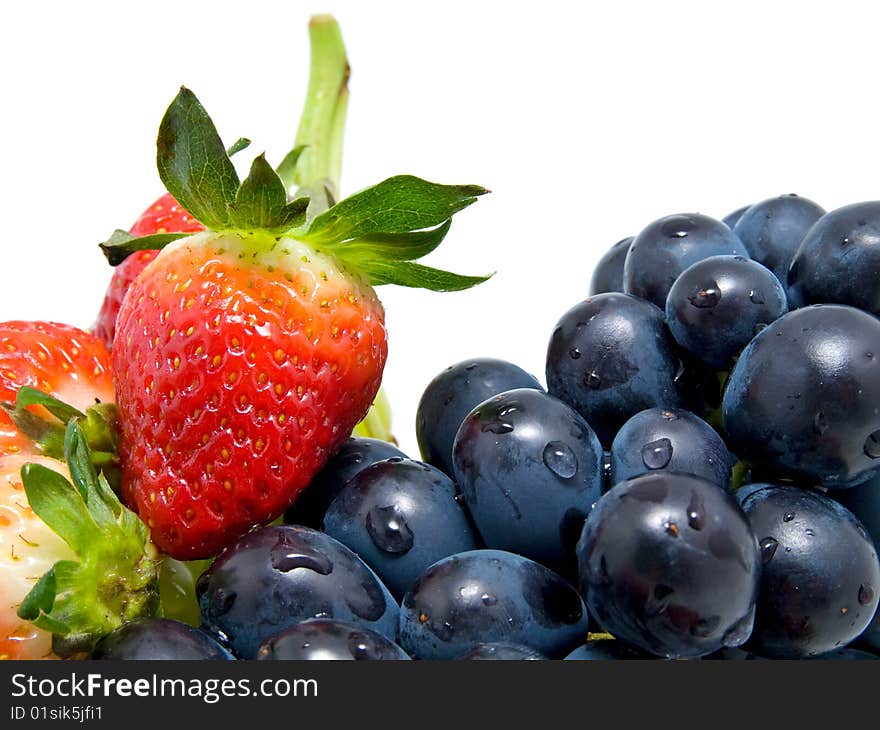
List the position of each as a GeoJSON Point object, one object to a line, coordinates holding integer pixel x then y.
{"type": "Point", "coordinates": [586, 120]}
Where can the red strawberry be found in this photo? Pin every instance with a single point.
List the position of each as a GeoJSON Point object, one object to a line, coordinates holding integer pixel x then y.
{"type": "Point", "coordinates": [58, 359]}
{"type": "Point", "coordinates": [166, 215]}
{"type": "Point", "coordinates": [65, 362]}
{"type": "Point", "coordinates": [246, 354]}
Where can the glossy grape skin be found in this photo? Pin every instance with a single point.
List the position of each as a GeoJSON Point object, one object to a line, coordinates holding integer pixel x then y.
{"type": "Point", "coordinates": [529, 469]}
{"type": "Point", "coordinates": [839, 259]}
{"type": "Point", "coordinates": [400, 516]}
{"type": "Point", "coordinates": [354, 456]}
{"type": "Point", "coordinates": [802, 400]}
{"type": "Point", "coordinates": [277, 576]}
{"type": "Point", "coordinates": [666, 247]}
{"type": "Point", "coordinates": [773, 229]}
{"type": "Point", "coordinates": [159, 638]}
{"type": "Point", "coordinates": [820, 578]}
{"type": "Point", "coordinates": [490, 596]}
{"type": "Point", "coordinates": [608, 274]}
{"type": "Point", "coordinates": [672, 440]}
{"type": "Point", "coordinates": [452, 394]}
{"type": "Point", "coordinates": [864, 502]}
{"type": "Point", "coordinates": [610, 357]}
{"type": "Point", "coordinates": [731, 219]}
{"type": "Point", "coordinates": [501, 651]}
{"type": "Point", "coordinates": [327, 639]}
{"type": "Point", "coordinates": [606, 649]}
{"type": "Point", "coordinates": [669, 564]}
{"type": "Point", "coordinates": [719, 304]}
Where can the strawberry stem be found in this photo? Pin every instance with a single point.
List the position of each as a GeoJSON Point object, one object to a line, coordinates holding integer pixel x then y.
{"type": "Point", "coordinates": [323, 118]}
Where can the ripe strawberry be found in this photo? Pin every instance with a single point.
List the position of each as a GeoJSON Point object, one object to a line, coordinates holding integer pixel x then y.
{"type": "Point", "coordinates": [246, 354]}
{"type": "Point", "coordinates": [41, 362]}
{"type": "Point", "coordinates": [166, 215]}
{"type": "Point", "coordinates": [58, 359]}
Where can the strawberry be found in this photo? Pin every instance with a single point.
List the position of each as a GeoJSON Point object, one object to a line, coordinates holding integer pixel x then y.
{"type": "Point", "coordinates": [166, 215]}
{"type": "Point", "coordinates": [28, 549]}
{"type": "Point", "coordinates": [40, 362]}
{"type": "Point", "coordinates": [246, 354]}
{"type": "Point", "coordinates": [58, 359]}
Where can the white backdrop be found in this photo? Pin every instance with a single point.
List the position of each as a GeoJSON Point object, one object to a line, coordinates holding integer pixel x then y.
{"type": "Point", "coordinates": [586, 120]}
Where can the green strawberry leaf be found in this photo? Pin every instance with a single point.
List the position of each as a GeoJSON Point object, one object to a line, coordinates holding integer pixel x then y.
{"type": "Point", "coordinates": [400, 204]}
{"type": "Point", "coordinates": [27, 396]}
{"type": "Point", "coordinates": [395, 246]}
{"type": "Point", "coordinates": [193, 163]}
{"type": "Point", "coordinates": [48, 436]}
{"type": "Point", "coordinates": [407, 273]}
{"type": "Point", "coordinates": [101, 503]}
{"type": "Point", "coordinates": [242, 143]}
{"type": "Point", "coordinates": [122, 244]}
{"type": "Point", "coordinates": [41, 597]}
{"type": "Point", "coordinates": [287, 169]}
{"type": "Point", "coordinates": [60, 506]}
{"type": "Point", "coordinates": [261, 201]}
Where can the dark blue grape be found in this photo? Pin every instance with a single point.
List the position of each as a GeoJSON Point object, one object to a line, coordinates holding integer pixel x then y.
{"type": "Point", "coordinates": [159, 638]}
{"type": "Point", "coordinates": [529, 469]}
{"type": "Point", "coordinates": [501, 651]}
{"type": "Point", "coordinates": [773, 229]}
{"type": "Point", "coordinates": [328, 639]}
{"type": "Point", "coordinates": [354, 456]}
{"type": "Point", "coordinates": [673, 440]}
{"type": "Point", "coordinates": [669, 564]}
{"type": "Point", "coordinates": [839, 259]}
{"type": "Point", "coordinates": [802, 400]}
{"type": "Point", "coordinates": [400, 516]}
{"type": "Point", "coordinates": [451, 395]}
{"type": "Point", "coordinates": [489, 596]}
{"type": "Point", "coordinates": [278, 576]}
{"type": "Point", "coordinates": [608, 274]}
{"type": "Point", "coordinates": [864, 502]}
{"type": "Point", "coordinates": [610, 357]}
{"type": "Point", "coordinates": [731, 219]}
{"type": "Point", "coordinates": [668, 246]}
{"type": "Point", "coordinates": [820, 579]}
{"type": "Point", "coordinates": [719, 304]}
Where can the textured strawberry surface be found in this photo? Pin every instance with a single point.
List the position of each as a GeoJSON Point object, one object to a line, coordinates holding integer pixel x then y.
{"type": "Point", "coordinates": [166, 215]}
{"type": "Point", "coordinates": [28, 548]}
{"type": "Point", "coordinates": [64, 361]}
{"type": "Point", "coordinates": [239, 374]}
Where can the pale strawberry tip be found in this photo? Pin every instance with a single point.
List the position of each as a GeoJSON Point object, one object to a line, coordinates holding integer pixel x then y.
{"type": "Point", "coordinates": [116, 577]}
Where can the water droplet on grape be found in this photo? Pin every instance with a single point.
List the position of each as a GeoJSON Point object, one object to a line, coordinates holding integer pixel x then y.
{"type": "Point", "coordinates": [706, 297]}
{"type": "Point", "coordinates": [560, 459]}
{"type": "Point", "coordinates": [657, 454]}
{"type": "Point", "coordinates": [872, 445]}
{"type": "Point", "coordinates": [497, 427]}
{"type": "Point", "coordinates": [388, 530]}
{"type": "Point", "coordinates": [768, 549]}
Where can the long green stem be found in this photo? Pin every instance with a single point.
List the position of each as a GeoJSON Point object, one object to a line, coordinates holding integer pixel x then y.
{"type": "Point", "coordinates": [323, 118]}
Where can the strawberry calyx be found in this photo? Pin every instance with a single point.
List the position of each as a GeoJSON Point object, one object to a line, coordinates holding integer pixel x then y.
{"type": "Point", "coordinates": [115, 579]}
{"type": "Point", "coordinates": [379, 232]}
{"type": "Point", "coordinates": [98, 425]}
